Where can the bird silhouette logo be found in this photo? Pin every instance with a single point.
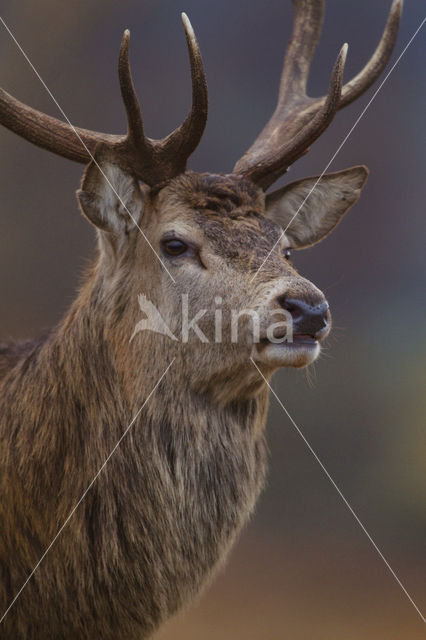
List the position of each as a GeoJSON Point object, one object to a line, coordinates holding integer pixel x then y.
{"type": "Point", "coordinates": [153, 321]}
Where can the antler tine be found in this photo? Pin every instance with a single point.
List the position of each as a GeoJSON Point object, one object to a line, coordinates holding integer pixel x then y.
{"type": "Point", "coordinates": [378, 61]}
{"type": "Point", "coordinates": [152, 161]}
{"type": "Point", "coordinates": [308, 19]}
{"type": "Point", "coordinates": [184, 140]}
{"type": "Point", "coordinates": [298, 120]}
{"type": "Point", "coordinates": [136, 152]}
{"type": "Point", "coordinates": [135, 132]}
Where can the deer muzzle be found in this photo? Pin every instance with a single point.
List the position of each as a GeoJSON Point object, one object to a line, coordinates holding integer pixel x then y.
{"type": "Point", "coordinates": [310, 321]}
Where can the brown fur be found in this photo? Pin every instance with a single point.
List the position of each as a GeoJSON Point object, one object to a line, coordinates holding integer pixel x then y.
{"type": "Point", "coordinates": [173, 496]}
{"type": "Point", "coordinates": [164, 512]}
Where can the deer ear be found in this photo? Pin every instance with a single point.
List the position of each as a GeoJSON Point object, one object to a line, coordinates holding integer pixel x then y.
{"type": "Point", "coordinates": [110, 198]}
{"type": "Point", "coordinates": [321, 206]}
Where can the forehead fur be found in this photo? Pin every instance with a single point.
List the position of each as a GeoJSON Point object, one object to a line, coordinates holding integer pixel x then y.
{"type": "Point", "coordinates": [227, 195]}
{"type": "Point", "coordinates": [230, 211]}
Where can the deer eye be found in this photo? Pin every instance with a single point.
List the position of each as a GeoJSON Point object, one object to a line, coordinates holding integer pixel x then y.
{"type": "Point", "coordinates": [174, 247]}
{"type": "Point", "coordinates": [287, 253]}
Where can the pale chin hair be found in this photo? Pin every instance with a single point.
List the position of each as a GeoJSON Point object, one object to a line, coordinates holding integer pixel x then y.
{"type": "Point", "coordinates": [282, 355]}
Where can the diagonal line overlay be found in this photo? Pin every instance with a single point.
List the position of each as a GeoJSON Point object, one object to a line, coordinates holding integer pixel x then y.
{"type": "Point", "coordinates": [70, 515]}
{"type": "Point", "coordinates": [339, 492]}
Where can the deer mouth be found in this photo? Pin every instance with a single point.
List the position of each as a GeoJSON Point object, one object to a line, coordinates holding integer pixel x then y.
{"type": "Point", "coordinates": [303, 339]}
{"type": "Point", "coordinates": [301, 351]}
{"type": "Point", "coordinates": [298, 340]}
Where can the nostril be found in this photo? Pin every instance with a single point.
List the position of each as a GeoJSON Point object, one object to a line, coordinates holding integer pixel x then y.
{"type": "Point", "coordinates": [292, 306]}
{"type": "Point", "coordinates": [307, 319]}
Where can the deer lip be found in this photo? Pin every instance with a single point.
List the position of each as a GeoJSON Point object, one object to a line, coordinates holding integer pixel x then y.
{"type": "Point", "coordinates": [304, 338]}
{"type": "Point", "coordinates": [299, 339]}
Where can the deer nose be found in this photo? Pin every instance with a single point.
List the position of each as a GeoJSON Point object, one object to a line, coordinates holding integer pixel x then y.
{"type": "Point", "coordinates": [308, 319]}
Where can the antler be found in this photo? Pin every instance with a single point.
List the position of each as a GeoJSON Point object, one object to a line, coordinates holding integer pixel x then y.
{"type": "Point", "coordinates": [152, 161]}
{"type": "Point", "coordinates": [299, 120]}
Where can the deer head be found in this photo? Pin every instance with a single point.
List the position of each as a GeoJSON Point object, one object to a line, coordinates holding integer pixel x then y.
{"type": "Point", "coordinates": [219, 239]}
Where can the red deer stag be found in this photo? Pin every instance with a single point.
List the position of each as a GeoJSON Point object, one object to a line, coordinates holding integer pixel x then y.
{"type": "Point", "coordinates": [165, 509]}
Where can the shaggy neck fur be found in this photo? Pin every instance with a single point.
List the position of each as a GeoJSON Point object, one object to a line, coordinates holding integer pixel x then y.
{"type": "Point", "coordinates": [162, 513]}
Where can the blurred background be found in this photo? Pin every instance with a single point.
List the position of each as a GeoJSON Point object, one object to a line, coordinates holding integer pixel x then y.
{"type": "Point", "coordinates": [303, 567]}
